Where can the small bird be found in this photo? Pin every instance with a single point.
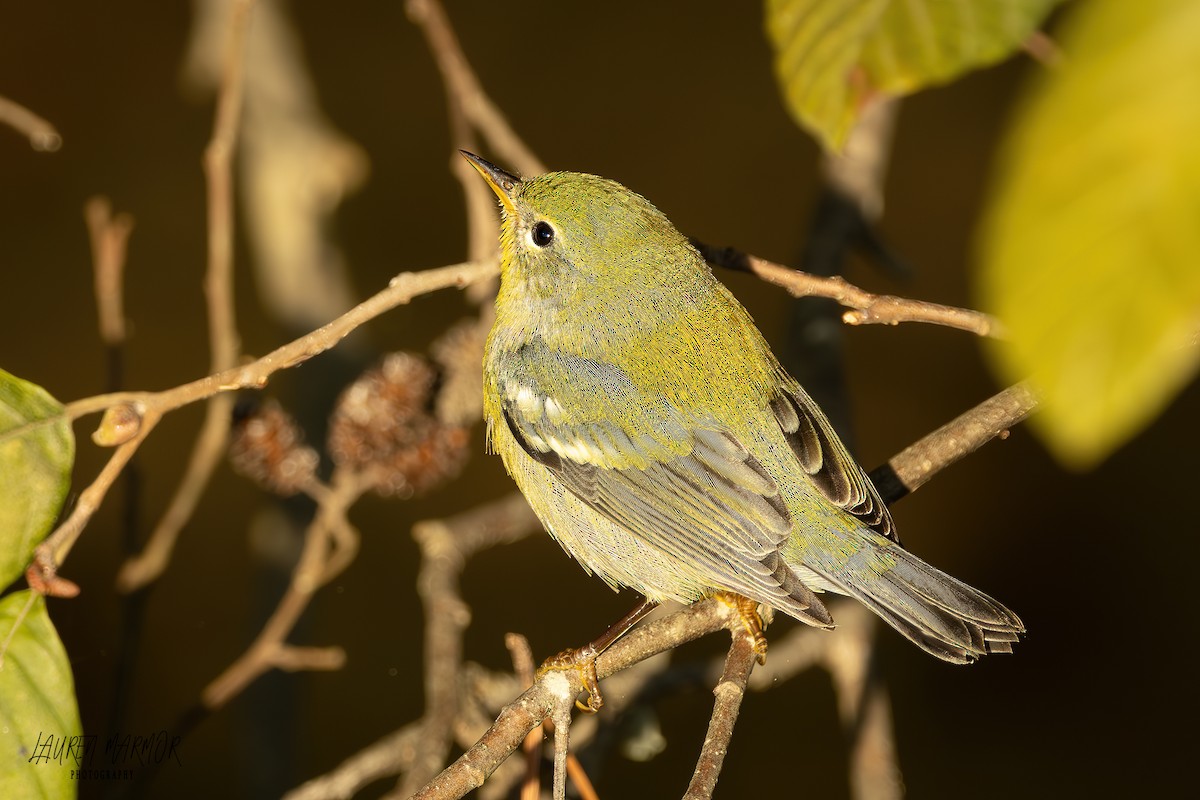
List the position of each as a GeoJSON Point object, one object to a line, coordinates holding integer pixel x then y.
{"type": "Point", "coordinates": [658, 439]}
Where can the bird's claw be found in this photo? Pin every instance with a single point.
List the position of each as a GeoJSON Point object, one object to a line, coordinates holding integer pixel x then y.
{"type": "Point", "coordinates": [582, 659]}
{"type": "Point", "coordinates": [747, 611]}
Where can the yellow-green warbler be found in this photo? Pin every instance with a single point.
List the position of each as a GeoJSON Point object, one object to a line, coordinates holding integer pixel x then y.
{"type": "Point", "coordinates": [658, 439]}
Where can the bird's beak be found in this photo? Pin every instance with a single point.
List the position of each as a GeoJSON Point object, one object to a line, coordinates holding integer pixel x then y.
{"type": "Point", "coordinates": [504, 184]}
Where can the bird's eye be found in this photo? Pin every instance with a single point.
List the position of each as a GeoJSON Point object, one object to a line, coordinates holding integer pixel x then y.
{"type": "Point", "coordinates": [543, 234]}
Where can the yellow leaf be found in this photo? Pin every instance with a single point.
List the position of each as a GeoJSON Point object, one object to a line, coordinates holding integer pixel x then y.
{"type": "Point", "coordinates": [833, 56]}
{"type": "Point", "coordinates": [1091, 248]}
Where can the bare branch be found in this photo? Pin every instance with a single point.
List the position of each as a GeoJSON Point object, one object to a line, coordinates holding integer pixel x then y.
{"type": "Point", "coordinates": [53, 550]}
{"type": "Point", "coordinates": [560, 715]}
{"type": "Point", "coordinates": [865, 308]}
{"type": "Point", "coordinates": [993, 417]}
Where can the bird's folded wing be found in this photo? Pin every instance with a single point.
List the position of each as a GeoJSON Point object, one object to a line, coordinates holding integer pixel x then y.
{"type": "Point", "coordinates": [826, 461]}
{"type": "Point", "coordinates": [690, 490]}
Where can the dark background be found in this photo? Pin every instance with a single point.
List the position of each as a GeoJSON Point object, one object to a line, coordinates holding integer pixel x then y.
{"type": "Point", "coordinates": [680, 104]}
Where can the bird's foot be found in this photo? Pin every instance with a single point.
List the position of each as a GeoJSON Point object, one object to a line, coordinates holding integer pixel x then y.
{"type": "Point", "coordinates": [747, 611]}
{"type": "Point", "coordinates": [582, 659]}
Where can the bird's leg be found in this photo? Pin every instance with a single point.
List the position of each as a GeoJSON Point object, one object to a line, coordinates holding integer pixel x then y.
{"type": "Point", "coordinates": [584, 658]}
{"type": "Point", "coordinates": [747, 610]}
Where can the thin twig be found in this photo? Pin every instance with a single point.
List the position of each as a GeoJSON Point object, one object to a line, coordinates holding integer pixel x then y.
{"type": "Point", "coordinates": [865, 308]}
{"type": "Point", "coordinates": [729, 692]}
{"type": "Point", "coordinates": [109, 236]}
{"type": "Point", "coordinates": [42, 136]}
{"type": "Point", "coordinates": [53, 551]}
{"type": "Point", "coordinates": [917, 463]}
{"type": "Point", "coordinates": [560, 715]}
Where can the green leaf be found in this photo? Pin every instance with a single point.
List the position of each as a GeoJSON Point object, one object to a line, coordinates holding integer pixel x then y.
{"type": "Point", "coordinates": [833, 56]}
{"type": "Point", "coordinates": [38, 712]}
{"type": "Point", "coordinates": [1091, 247]}
{"type": "Point", "coordinates": [37, 449]}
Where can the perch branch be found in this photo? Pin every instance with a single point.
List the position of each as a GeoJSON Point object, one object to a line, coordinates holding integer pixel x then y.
{"type": "Point", "coordinates": [528, 711]}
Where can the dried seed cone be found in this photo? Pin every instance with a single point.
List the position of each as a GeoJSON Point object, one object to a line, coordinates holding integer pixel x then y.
{"type": "Point", "coordinates": [382, 426]}
{"type": "Point", "coordinates": [268, 447]}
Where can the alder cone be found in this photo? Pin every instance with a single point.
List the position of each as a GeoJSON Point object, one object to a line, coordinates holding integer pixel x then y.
{"type": "Point", "coordinates": [383, 426]}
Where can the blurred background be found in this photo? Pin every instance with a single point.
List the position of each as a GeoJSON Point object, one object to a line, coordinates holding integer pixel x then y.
{"type": "Point", "coordinates": [680, 104]}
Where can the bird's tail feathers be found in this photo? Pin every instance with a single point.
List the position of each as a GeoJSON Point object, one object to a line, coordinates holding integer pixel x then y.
{"type": "Point", "coordinates": [940, 614]}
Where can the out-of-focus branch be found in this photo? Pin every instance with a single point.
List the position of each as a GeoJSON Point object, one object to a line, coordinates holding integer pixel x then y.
{"type": "Point", "coordinates": [858, 171]}
{"type": "Point", "coordinates": [109, 236]}
{"type": "Point", "coordinates": [42, 136]}
{"type": "Point", "coordinates": [865, 308]}
{"type": "Point", "coordinates": [1043, 49]}
{"type": "Point", "coordinates": [293, 167]}
{"type": "Point", "coordinates": [522, 657]}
